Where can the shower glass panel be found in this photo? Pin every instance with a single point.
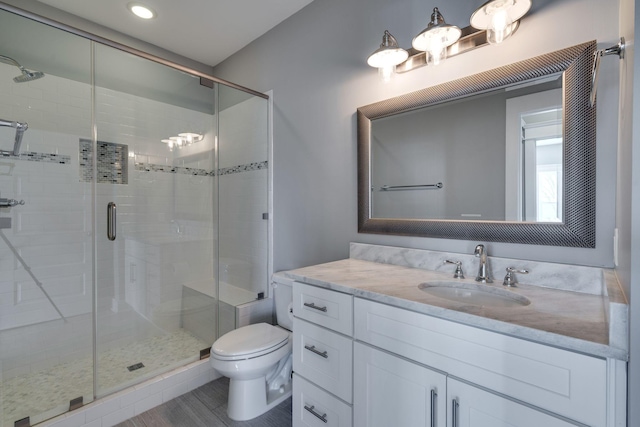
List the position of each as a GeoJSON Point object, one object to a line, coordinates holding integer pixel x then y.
{"type": "Point", "coordinates": [243, 201]}
{"type": "Point", "coordinates": [155, 163]}
{"type": "Point", "coordinates": [46, 262]}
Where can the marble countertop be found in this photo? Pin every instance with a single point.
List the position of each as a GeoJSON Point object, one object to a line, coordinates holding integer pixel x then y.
{"type": "Point", "coordinates": [565, 319]}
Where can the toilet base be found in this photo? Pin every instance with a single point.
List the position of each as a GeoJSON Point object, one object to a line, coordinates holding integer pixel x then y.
{"type": "Point", "coordinates": [249, 398]}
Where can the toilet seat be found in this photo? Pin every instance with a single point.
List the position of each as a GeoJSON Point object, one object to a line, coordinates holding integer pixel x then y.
{"type": "Point", "coordinates": [249, 342]}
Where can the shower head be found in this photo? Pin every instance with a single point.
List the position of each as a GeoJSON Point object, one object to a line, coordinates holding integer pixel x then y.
{"type": "Point", "coordinates": [26, 75]}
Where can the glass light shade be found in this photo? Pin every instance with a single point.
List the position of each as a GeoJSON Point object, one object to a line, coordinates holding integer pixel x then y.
{"type": "Point", "coordinates": [387, 56]}
{"type": "Point", "coordinates": [499, 18]}
{"type": "Point", "coordinates": [435, 42]}
{"type": "Point", "coordinates": [436, 38]}
{"type": "Point", "coordinates": [387, 73]}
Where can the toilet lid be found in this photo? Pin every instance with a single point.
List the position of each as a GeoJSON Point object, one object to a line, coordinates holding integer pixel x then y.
{"type": "Point", "coordinates": [249, 339]}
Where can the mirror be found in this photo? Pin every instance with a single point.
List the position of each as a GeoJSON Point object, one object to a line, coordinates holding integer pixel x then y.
{"type": "Point", "coordinates": [506, 155]}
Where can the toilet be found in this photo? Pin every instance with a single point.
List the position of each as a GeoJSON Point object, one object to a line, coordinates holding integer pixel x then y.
{"type": "Point", "coordinates": [257, 359]}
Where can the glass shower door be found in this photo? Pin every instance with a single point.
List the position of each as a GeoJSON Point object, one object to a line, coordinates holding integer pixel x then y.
{"type": "Point", "coordinates": [243, 154]}
{"type": "Point", "coordinates": [155, 245]}
{"type": "Point", "coordinates": [46, 234]}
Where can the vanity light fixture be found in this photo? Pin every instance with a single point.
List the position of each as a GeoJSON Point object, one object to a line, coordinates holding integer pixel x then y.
{"type": "Point", "coordinates": [182, 140]}
{"type": "Point", "coordinates": [387, 56]}
{"type": "Point", "coordinates": [491, 23]}
{"type": "Point", "coordinates": [499, 18]}
{"type": "Point", "coordinates": [436, 38]}
{"type": "Point", "coordinates": [141, 11]}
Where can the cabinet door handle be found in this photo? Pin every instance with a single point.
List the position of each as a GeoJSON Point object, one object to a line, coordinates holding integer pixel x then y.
{"type": "Point", "coordinates": [434, 406]}
{"type": "Point", "coordinates": [322, 417]}
{"type": "Point", "coordinates": [111, 221]}
{"type": "Point", "coordinates": [318, 352]}
{"type": "Point", "coordinates": [454, 413]}
{"type": "Point", "coordinates": [315, 307]}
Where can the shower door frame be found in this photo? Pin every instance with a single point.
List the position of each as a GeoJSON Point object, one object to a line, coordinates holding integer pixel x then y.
{"type": "Point", "coordinates": [206, 80]}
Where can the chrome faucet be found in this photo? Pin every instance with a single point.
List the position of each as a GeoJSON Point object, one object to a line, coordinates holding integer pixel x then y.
{"type": "Point", "coordinates": [483, 275]}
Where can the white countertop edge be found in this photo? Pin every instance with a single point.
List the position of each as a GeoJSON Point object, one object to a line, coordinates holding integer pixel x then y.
{"type": "Point", "coordinates": [517, 331]}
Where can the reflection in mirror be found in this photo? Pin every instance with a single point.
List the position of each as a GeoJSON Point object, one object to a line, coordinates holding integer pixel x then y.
{"type": "Point", "coordinates": [505, 155]}
{"type": "Point", "coordinates": [493, 153]}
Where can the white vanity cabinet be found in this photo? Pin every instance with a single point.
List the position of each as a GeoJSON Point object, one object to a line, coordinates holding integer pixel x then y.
{"type": "Point", "coordinates": [469, 406]}
{"type": "Point", "coordinates": [362, 363]}
{"type": "Point", "coordinates": [512, 375]}
{"type": "Point", "coordinates": [322, 357]}
{"type": "Point", "coordinates": [391, 391]}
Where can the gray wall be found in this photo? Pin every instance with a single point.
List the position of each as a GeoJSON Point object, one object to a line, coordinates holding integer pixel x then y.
{"type": "Point", "coordinates": [315, 63]}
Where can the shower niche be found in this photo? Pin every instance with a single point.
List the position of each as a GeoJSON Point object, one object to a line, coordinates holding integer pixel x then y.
{"type": "Point", "coordinates": [184, 168]}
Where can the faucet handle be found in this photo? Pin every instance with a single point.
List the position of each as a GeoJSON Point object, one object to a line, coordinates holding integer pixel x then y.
{"type": "Point", "coordinates": [510, 278]}
{"type": "Point", "coordinates": [458, 274]}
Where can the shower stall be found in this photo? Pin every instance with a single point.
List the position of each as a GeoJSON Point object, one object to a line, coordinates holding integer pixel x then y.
{"type": "Point", "coordinates": [133, 202]}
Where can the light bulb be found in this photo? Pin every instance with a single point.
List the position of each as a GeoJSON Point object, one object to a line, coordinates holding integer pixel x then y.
{"type": "Point", "coordinates": [436, 51]}
{"type": "Point", "coordinates": [500, 28]}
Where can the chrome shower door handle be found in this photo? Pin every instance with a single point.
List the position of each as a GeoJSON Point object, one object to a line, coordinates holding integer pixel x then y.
{"type": "Point", "coordinates": [434, 405]}
{"type": "Point", "coordinates": [111, 221]}
{"type": "Point", "coordinates": [455, 407]}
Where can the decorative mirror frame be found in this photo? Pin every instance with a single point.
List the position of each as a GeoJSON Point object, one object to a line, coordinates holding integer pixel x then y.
{"type": "Point", "coordinates": [579, 154]}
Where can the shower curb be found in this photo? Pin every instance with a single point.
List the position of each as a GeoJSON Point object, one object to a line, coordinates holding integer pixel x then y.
{"type": "Point", "coordinates": [118, 407]}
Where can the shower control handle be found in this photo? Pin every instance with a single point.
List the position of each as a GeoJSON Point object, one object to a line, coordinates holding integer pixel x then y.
{"type": "Point", "coordinates": [9, 203]}
{"type": "Point", "coordinates": [111, 221]}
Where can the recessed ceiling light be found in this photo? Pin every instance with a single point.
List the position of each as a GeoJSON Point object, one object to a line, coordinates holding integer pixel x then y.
{"type": "Point", "coordinates": [141, 10]}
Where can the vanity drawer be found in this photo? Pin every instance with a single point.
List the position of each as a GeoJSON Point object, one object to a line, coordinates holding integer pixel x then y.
{"type": "Point", "coordinates": [567, 383]}
{"type": "Point", "coordinates": [323, 357]}
{"type": "Point", "coordinates": [314, 407]}
{"type": "Point", "coordinates": [331, 309]}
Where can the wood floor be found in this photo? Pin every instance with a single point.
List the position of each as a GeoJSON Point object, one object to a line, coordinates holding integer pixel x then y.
{"type": "Point", "coordinates": [206, 406]}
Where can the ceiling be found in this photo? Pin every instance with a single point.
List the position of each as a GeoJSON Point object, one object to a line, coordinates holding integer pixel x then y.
{"type": "Point", "coordinates": [208, 31]}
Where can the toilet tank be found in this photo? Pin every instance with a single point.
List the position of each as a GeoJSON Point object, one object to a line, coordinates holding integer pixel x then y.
{"type": "Point", "coordinates": [283, 297]}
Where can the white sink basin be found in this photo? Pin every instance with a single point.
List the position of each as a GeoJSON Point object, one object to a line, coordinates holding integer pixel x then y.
{"type": "Point", "coordinates": [469, 293]}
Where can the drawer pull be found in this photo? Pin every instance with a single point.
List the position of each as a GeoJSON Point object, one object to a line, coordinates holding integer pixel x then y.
{"type": "Point", "coordinates": [434, 405]}
{"type": "Point", "coordinates": [318, 352]}
{"type": "Point", "coordinates": [454, 413]}
{"type": "Point", "coordinates": [315, 307]}
{"type": "Point", "coordinates": [322, 417]}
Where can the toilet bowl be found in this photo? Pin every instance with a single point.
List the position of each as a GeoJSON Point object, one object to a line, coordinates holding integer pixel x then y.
{"type": "Point", "coordinates": [257, 360]}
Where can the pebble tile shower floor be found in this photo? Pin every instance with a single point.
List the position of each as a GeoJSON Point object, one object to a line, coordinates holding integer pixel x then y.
{"type": "Point", "coordinates": [38, 392]}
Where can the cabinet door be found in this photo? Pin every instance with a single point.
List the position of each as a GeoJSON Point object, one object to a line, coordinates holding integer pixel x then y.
{"type": "Point", "coordinates": [469, 406]}
{"type": "Point", "coordinates": [390, 391]}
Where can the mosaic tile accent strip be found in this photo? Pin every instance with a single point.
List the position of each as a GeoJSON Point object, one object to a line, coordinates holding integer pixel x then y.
{"type": "Point", "coordinates": [113, 165]}
{"type": "Point", "coordinates": [32, 156]}
{"type": "Point", "coordinates": [243, 168]}
{"type": "Point", "coordinates": [149, 167]}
